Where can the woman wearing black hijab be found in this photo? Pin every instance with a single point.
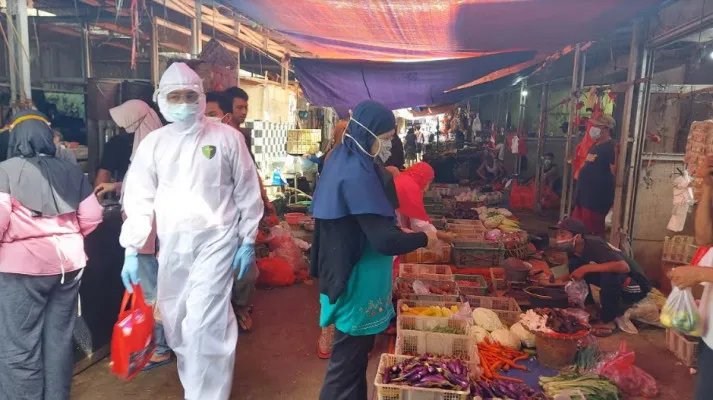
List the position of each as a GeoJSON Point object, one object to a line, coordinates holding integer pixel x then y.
{"type": "Point", "coordinates": [46, 209]}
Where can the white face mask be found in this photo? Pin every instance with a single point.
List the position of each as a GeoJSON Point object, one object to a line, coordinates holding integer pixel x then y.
{"type": "Point", "coordinates": [181, 111]}
{"type": "Point", "coordinates": [385, 149]}
{"type": "Point", "coordinates": [595, 133]}
{"type": "Point", "coordinates": [217, 119]}
{"type": "Point", "coordinates": [381, 144]}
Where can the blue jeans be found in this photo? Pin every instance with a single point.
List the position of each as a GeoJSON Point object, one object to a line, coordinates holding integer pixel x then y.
{"type": "Point", "coordinates": [148, 276]}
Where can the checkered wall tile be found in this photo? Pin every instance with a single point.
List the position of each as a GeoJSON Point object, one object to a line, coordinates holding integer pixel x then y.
{"type": "Point", "coordinates": [268, 143]}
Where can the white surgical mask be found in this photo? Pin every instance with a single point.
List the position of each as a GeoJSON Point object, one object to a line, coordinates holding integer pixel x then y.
{"type": "Point", "coordinates": [385, 149]}
{"type": "Point", "coordinates": [595, 132]}
{"type": "Point", "coordinates": [180, 112]}
{"type": "Point", "coordinates": [381, 145]}
{"type": "Point", "coordinates": [217, 119]}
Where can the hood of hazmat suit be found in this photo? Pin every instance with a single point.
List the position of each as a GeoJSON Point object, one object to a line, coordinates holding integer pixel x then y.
{"type": "Point", "coordinates": [199, 181]}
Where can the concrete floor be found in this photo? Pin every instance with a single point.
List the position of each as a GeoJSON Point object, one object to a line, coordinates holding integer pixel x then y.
{"type": "Point", "coordinates": [278, 359]}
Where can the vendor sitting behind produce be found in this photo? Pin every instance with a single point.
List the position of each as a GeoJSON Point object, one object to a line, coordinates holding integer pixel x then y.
{"type": "Point", "coordinates": [491, 170]}
{"type": "Point", "coordinates": [592, 259]}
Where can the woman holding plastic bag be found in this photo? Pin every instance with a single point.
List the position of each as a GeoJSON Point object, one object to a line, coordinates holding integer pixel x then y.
{"type": "Point", "coordinates": [686, 277]}
{"type": "Point", "coordinates": [46, 209]}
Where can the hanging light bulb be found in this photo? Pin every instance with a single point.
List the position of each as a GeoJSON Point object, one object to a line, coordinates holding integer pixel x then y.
{"type": "Point", "coordinates": [524, 93]}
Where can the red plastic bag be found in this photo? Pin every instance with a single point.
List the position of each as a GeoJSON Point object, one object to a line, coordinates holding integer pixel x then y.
{"type": "Point", "coordinates": [133, 342]}
{"type": "Point", "coordinates": [630, 379]}
{"type": "Point", "coordinates": [275, 271]}
{"type": "Point", "coordinates": [522, 196]}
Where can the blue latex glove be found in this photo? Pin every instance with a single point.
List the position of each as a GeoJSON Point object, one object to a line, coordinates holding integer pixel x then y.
{"type": "Point", "coordinates": [130, 272]}
{"type": "Point", "coordinates": [244, 258]}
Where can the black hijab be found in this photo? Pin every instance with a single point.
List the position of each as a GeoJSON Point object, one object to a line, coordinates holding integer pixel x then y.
{"type": "Point", "coordinates": [33, 175]}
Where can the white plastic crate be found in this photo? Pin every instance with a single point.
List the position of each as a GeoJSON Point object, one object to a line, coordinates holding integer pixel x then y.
{"type": "Point", "coordinates": [506, 307]}
{"type": "Point", "coordinates": [684, 349]}
{"type": "Point", "coordinates": [436, 272]}
{"type": "Point", "coordinates": [400, 392]}
{"type": "Point", "coordinates": [423, 323]}
{"type": "Point", "coordinates": [446, 345]}
{"type": "Point", "coordinates": [425, 303]}
{"type": "Point", "coordinates": [404, 289]}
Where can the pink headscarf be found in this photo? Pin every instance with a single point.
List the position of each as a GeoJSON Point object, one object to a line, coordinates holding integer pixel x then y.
{"type": "Point", "coordinates": [135, 116]}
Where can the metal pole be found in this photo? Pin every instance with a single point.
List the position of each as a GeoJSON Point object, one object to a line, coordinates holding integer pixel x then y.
{"type": "Point", "coordinates": [544, 100]}
{"type": "Point", "coordinates": [237, 32]}
{"type": "Point", "coordinates": [625, 131]}
{"type": "Point", "coordinates": [18, 8]}
{"type": "Point", "coordinates": [583, 63]}
{"type": "Point", "coordinates": [10, 55]}
{"type": "Point", "coordinates": [640, 126]}
{"type": "Point", "coordinates": [155, 68]}
{"type": "Point", "coordinates": [197, 31]}
{"type": "Point", "coordinates": [568, 144]}
{"type": "Point", "coordinates": [86, 51]}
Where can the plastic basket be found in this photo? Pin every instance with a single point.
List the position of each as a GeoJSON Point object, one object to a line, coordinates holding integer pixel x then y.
{"type": "Point", "coordinates": [435, 209]}
{"type": "Point", "coordinates": [522, 252]}
{"type": "Point", "coordinates": [478, 286]}
{"type": "Point", "coordinates": [427, 303]}
{"type": "Point", "coordinates": [685, 350]}
{"type": "Point", "coordinates": [436, 272]}
{"type": "Point", "coordinates": [438, 222]}
{"type": "Point", "coordinates": [439, 255]}
{"type": "Point", "coordinates": [679, 249]}
{"type": "Point", "coordinates": [446, 345]}
{"type": "Point", "coordinates": [399, 392]}
{"type": "Point", "coordinates": [428, 324]}
{"type": "Point", "coordinates": [404, 289]}
{"type": "Point", "coordinates": [477, 254]}
{"type": "Point", "coordinates": [506, 307]}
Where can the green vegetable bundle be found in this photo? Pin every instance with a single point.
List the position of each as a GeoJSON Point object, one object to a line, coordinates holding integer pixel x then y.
{"type": "Point", "coordinates": [592, 386]}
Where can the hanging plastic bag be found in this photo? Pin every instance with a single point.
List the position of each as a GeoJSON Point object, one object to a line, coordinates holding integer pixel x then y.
{"type": "Point", "coordinates": [577, 292]}
{"type": "Point", "coordinates": [681, 313]}
{"type": "Point", "coordinates": [632, 380]}
{"type": "Point", "coordinates": [132, 342]}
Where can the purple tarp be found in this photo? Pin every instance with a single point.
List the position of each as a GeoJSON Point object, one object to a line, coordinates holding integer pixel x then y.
{"type": "Point", "coordinates": [342, 84]}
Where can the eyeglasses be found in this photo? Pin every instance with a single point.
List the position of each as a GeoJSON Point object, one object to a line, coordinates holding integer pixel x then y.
{"type": "Point", "coordinates": [183, 97]}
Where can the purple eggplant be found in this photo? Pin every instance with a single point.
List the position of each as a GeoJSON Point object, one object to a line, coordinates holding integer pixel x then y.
{"type": "Point", "coordinates": [456, 380]}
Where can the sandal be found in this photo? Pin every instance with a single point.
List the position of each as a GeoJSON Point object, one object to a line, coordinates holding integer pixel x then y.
{"type": "Point", "coordinates": [156, 364]}
{"type": "Point", "coordinates": [325, 342]}
{"type": "Point", "coordinates": [245, 320]}
{"type": "Point", "coordinates": [603, 332]}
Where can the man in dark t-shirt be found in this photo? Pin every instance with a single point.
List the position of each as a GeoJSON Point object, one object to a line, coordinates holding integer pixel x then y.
{"type": "Point", "coordinates": [115, 159]}
{"type": "Point", "coordinates": [592, 259]}
{"type": "Point", "coordinates": [595, 187]}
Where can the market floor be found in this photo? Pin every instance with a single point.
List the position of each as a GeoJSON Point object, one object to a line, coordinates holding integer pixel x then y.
{"type": "Point", "coordinates": [278, 359]}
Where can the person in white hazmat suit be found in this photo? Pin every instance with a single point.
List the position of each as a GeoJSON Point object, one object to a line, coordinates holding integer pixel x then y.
{"type": "Point", "coordinates": [198, 179]}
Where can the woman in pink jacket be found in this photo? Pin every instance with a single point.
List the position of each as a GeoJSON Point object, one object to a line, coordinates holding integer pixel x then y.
{"type": "Point", "coordinates": [46, 209]}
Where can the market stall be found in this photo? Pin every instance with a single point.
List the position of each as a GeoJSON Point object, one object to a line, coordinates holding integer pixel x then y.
{"type": "Point", "coordinates": [461, 332]}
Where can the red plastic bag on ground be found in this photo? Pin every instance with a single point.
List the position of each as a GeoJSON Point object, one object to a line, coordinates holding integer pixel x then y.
{"type": "Point", "coordinates": [522, 196]}
{"type": "Point", "coordinates": [132, 342]}
{"type": "Point", "coordinates": [283, 245]}
{"type": "Point", "coordinates": [630, 379]}
{"type": "Point", "coordinates": [275, 271]}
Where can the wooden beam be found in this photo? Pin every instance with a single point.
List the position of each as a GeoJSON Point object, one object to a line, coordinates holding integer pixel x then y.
{"type": "Point", "coordinates": [225, 25]}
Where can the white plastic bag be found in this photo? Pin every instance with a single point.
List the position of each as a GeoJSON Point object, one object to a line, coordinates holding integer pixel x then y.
{"type": "Point", "coordinates": [681, 313]}
{"type": "Point", "coordinates": [577, 292]}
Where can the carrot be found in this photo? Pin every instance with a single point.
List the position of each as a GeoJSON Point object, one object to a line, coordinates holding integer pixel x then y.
{"type": "Point", "coordinates": [507, 378]}
{"type": "Point", "coordinates": [506, 367]}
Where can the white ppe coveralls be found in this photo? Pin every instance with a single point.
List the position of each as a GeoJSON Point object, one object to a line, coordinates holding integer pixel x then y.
{"type": "Point", "coordinates": [199, 180]}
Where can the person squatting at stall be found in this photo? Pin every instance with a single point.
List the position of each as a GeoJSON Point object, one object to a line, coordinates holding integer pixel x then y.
{"type": "Point", "coordinates": [592, 259]}
{"type": "Point", "coordinates": [46, 210]}
{"type": "Point", "coordinates": [198, 180]}
{"type": "Point", "coordinates": [218, 109]}
{"type": "Point", "coordinates": [355, 239]}
{"type": "Point", "coordinates": [686, 277]}
{"type": "Point", "coordinates": [594, 195]}
{"type": "Point", "coordinates": [491, 170]}
{"type": "Point", "coordinates": [137, 118]}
